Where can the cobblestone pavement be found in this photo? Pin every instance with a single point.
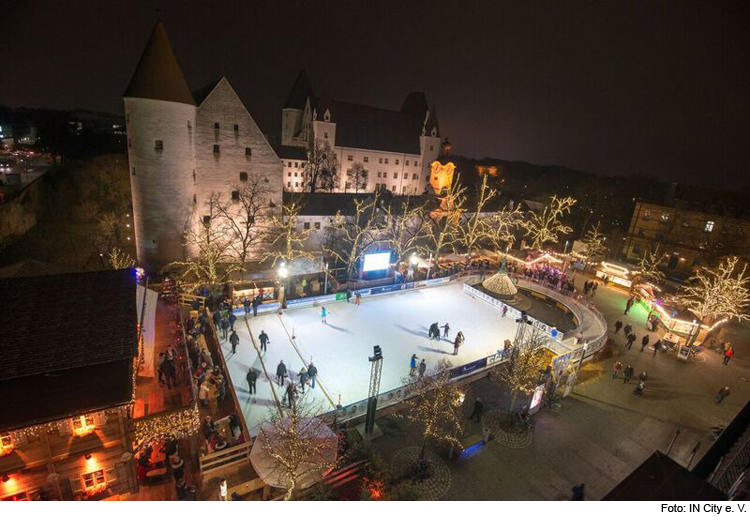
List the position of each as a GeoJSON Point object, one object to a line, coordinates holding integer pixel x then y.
{"type": "Point", "coordinates": [602, 431]}
{"type": "Point", "coordinates": [439, 481]}
{"type": "Point", "coordinates": [497, 421]}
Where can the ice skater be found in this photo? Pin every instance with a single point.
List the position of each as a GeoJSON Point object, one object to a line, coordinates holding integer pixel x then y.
{"type": "Point", "coordinates": [458, 342]}
{"type": "Point", "coordinates": [280, 373]}
{"type": "Point", "coordinates": [434, 331]}
{"type": "Point", "coordinates": [357, 298]}
{"type": "Point", "coordinates": [323, 314]}
{"type": "Point", "coordinates": [446, 330]}
{"type": "Point", "coordinates": [234, 339]}
{"type": "Point", "coordinates": [232, 318]}
{"type": "Point", "coordinates": [303, 376]}
{"type": "Point", "coordinates": [312, 372]}
{"type": "Point", "coordinates": [264, 341]}
{"type": "Point", "coordinates": [422, 368]}
{"type": "Point", "coordinates": [413, 365]}
{"type": "Point", "coordinates": [251, 377]}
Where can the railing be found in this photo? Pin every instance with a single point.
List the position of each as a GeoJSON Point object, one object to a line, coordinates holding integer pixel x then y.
{"type": "Point", "coordinates": [187, 300]}
{"type": "Point", "coordinates": [223, 460]}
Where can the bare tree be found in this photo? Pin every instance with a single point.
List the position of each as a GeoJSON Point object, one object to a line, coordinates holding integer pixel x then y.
{"type": "Point", "coordinates": [546, 226]}
{"type": "Point", "coordinates": [527, 361]}
{"type": "Point", "coordinates": [715, 294]}
{"type": "Point", "coordinates": [434, 409]}
{"type": "Point", "coordinates": [354, 234]}
{"type": "Point", "coordinates": [322, 168]}
{"type": "Point", "coordinates": [210, 240]}
{"type": "Point", "coordinates": [357, 180]}
{"type": "Point", "coordinates": [247, 216]}
{"type": "Point", "coordinates": [298, 445]}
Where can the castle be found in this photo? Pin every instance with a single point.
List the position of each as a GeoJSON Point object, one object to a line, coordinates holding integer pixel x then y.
{"type": "Point", "coordinates": [184, 146]}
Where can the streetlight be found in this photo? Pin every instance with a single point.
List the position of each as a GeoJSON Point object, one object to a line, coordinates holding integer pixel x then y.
{"type": "Point", "coordinates": [282, 272]}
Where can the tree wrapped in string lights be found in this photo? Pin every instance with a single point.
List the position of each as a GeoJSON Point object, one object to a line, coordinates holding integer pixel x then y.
{"type": "Point", "coordinates": [716, 294]}
{"type": "Point", "coordinates": [594, 241]}
{"type": "Point", "coordinates": [649, 267]}
{"type": "Point", "coordinates": [434, 409]}
{"type": "Point", "coordinates": [286, 238]}
{"type": "Point", "coordinates": [547, 226]}
{"type": "Point", "coordinates": [118, 259]}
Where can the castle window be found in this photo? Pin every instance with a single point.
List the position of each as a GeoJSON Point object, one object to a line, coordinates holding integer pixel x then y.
{"type": "Point", "coordinates": [296, 164]}
{"type": "Point", "coordinates": [414, 177]}
{"type": "Point", "coordinates": [349, 172]}
{"type": "Point", "coordinates": [195, 199]}
{"type": "Point", "coordinates": [393, 189]}
{"type": "Point", "coordinates": [386, 160]}
{"type": "Point", "coordinates": [289, 173]}
{"type": "Point", "coordinates": [217, 126]}
{"type": "Point", "coordinates": [325, 135]}
{"type": "Point", "coordinates": [248, 151]}
{"type": "Point", "coordinates": [243, 176]}
{"type": "Point", "coordinates": [380, 160]}
{"type": "Point", "coordinates": [364, 173]}
{"type": "Point", "coordinates": [289, 164]}
{"type": "Point", "coordinates": [236, 196]}
{"type": "Point", "coordinates": [431, 148]}
{"type": "Point", "coordinates": [367, 158]}
{"type": "Point", "coordinates": [407, 162]}
{"type": "Point", "coordinates": [289, 185]}
{"type": "Point", "coordinates": [190, 126]}
{"type": "Point", "coordinates": [206, 219]}
{"type": "Point", "coordinates": [216, 149]}
{"type": "Point", "coordinates": [416, 163]}
{"type": "Point", "coordinates": [317, 225]}
{"type": "Point", "coordinates": [306, 225]}
{"type": "Point", "coordinates": [396, 161]}
{"type": "Point", "coordinates": [350, 158]}
{"type": "Point", "coordinates": [236, 127]}
{"type": "Point", "coordinates": [296, 184]}
{"type": "Point", "coordinates": [395, 175]}
{"type": "Point", "coordinates": [158, 145]}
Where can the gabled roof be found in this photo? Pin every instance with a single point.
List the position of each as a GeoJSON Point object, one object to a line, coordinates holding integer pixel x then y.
{"type": "Point", "coordinates": [290, 152]}
{"type": "Point", "coordinates": [365, 127]}
{"type": "Point", "coordinates": [416, 104]}
{"type": "Point", "coordinates": [202, 93]}
{"type": "Point", "coordinates": [432, 121]}
{"type": "Point", "coordinates": [301, 89]}
{"type": "Point", "coordinates": [58, 322]}
{"type": "Point", "coordinates": [158, 76]}
{"type": "Point", "coordinates": [328, 204]}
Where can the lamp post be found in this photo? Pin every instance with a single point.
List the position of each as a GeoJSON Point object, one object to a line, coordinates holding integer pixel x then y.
{"type": "Point", "coordinates": [283, 273]}
{"type": "Point", "coordinates": [325, 280]}
{"type": "Point", "coordinates": [429, 266]}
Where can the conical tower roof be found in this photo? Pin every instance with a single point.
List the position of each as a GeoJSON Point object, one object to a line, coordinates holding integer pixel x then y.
{"type": "Point", "coordinates": [158, 76]}
{"type": "Point", "coordinates": [300, 91]}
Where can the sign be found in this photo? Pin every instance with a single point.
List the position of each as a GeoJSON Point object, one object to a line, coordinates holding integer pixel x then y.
{"type": "Point", "coordinates": [377, 261]}
{"type": "Point", "coordinates": [684, 352]}
{"type": "Point", "coordinates": [536, 399]}
{"type": "Point", "coordinates": [468, 368]}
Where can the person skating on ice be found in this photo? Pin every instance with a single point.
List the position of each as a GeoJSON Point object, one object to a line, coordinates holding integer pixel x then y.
{"type": "Point", "coordinates": [280, 373]}
{"type": "Point", "coordinates": [413, 366]}
{"type": "Point", "coordinates": [446, 330]}
{"type": "Point", "coordinates": [422, 368]}
{"type": "Point", "coordinates": [312, 372]}
{"type": "Point", "coordinates": [264, 341]}
{"type": "Point", "coordinates": [323, 314]}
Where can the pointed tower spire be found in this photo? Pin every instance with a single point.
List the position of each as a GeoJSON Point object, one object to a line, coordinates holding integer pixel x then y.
{"type": "Point", "coordinates": [158, 76]}
{"type": "Point", "coordinates": [299, 93]}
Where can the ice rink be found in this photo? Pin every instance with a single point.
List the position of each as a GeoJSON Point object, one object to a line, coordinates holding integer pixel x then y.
{"type": "Point", "coordinates": [340, 348]}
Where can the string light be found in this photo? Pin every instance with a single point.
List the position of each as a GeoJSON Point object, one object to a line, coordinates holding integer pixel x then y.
{"type": "Point", "coordinates": [172, 425]}
{"type": "Point", "coordinates": [546, 226]}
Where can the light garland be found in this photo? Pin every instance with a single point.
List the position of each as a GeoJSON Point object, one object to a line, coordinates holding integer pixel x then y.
{"type": "Point", "coordinates": [53, 426]}
{"type": "Point", "coordinates": [173, 425]}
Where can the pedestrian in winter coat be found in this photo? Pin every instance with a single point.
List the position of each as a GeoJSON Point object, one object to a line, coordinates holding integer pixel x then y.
{"type": "Point", "coordinates": [458, 342]}
{"type": "Point", "coordinates": [303, 379]}
{"type": "Point", "coordinates": [656, 346]}
{"type": "Point", "coordinates": [618, 326]}
{"type": "Point", "coordinates": [631, 339]}
{"type": "Point", "coordinates": [627, 330]}
{"type": "Point", "coordinates": [413, 365]}
{"type": "Point", "coordinates": [348, 295]}
{"type": "Point", "coordinates": [312, 372]}
{"type": "Point", "coordinates": [422, 368]}
{"type": "Point", "coordinates": [722, 394]}
{"type": "Point", "coordinates": [217, 319]}
{"type": "Point", "coordinates": [593, 289]}
{"type": "Point", "coordinates": [629, 305]}
{"type": "Point", "coordinates": [251, 377]}
{"type": "Point", "coordinates": [263, 338]}
{"type": "Point", "coordinates": [255, 303]}
{"type": "Point", "coordinates": [224, 328]}
{"type": "Point", "coordinates": [643, 377]}
{"type": "Point", "coordinates": [728, 354]}
{"type": "Point", "coordinates": [247, 304]}
{"type": "Point", "coordinates": [234, 339]}
{"type": "Point", "coordinates": [357, 298]}
{"type": "Point", "coordinates": [446, 330]}
{"type": "Point", "coordinates": [644, 342]}
{"type": "Point", "coordinates": [323, 314]}
{"type": "Point", "coordinates": [616, 369]}
{"type": "Point", "coordinates": [477, 411]}
{"type": "Point", "coordinates": [628, 373]}
{"type": "Point", "coordinates": [505, 310]}
{"type": "Point", "coordinates": [280, 373]}
{"type": "Point", "coordinates": [232, 318]}
{"type": "Point", "coordinates": [291, 394]}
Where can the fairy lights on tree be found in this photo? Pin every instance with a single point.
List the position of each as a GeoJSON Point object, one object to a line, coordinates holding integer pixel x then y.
{"type": "Point", "coordinates": [594, 241]}
{"type": "Point", "coordinates": [118, 259]}
{"type": "Point", "coordinates": [527, 361]}
{"type": "Point", "coordinates": [547, 226]}
{"type": "Point", "coordinates": [443, 230]}
{"type": "Point", "coordinates": [287, 238]}
{"type": "Point", "coordinates": [648, 267]}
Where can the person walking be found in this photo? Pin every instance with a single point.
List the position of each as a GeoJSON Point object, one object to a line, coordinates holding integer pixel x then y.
{"type": "Point", "coordinates": [644, 342]}
{"type": "Point", "coordinates": [422, 368]}
{"type": "Point", "coordinates": [413, 365]}
{"type": "Point", "coordinates": [264, 341]}
{"type": "Point", "coordinates": [217, 320]}
{"type": "Point", "coordinates": [247, 304]}
{"type": "Point", "coordinates": [255, 303]}
{"type": "Point", "coordinates": [477, 411]}
{"type": "Point", "coordinates": [722, 394]}
{"type": "Point", "coordinates": [303, 379]}
{"type": "Point", "coordinates": [616, 369]}
{"type": "Point", "coordinates": [593, 289]}
{"type": "Point", "coordinates": [312, 372]}
{"type": "Point", "coordinates": [626, 330]}
{"type": "Point", "coordinates": [618, 326]}
{"type": "Point", "coordinates": [628, 374]}
{"type": "Point", "coordinates": [291, 394]}
{"type": "Point", "coordinates": [232, 318]}
{"type": "Point", "coordinates": [348, 295]}
{"type": "Point", "coordinates": [251, 377]}
{"type": "Point", "coordinates": [505, 310]}
{"type": "Point", "coordinates": [629, 305]}
{"type": "Point", "coordinates": [169, 372]}
{"type": "Point", "coordinates": [458, 342]}
{"type": "Point", "coordinates": [631, 339]}
{"type": "Point", "coordinates": [323, 314]}
{"type": "Point", "coordinates": [234, 339]}
{"type": "Point", "coordinates": [357, 298]}
{"type": "Point", "coordinates": [446, 330]}
{"type": "Point", "coordinates": [643, 377]}
{"type": "Point", "coordinates": [280, 373]}
{"type": "Point", "coordinates": [656, 346]}
{"type": "Point", "coordinates": [224, 328]}
{"type": "Point", "coordinates": [728, 354]}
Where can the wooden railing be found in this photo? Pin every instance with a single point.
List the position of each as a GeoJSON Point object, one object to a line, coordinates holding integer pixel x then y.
{"type": "Point", "coordinates": [223, 460]}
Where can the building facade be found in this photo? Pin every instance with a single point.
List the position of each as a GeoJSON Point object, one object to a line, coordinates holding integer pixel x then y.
{"type": "Point", "coordinates": [394, 148]}
{"type": "Point", "coordinates": [690, 238]}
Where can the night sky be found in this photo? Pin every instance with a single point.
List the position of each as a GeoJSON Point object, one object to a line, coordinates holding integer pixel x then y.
{"type": "Point", "coordinates": [612, 87]}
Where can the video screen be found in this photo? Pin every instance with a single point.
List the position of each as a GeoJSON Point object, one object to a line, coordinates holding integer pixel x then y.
{"type": "Point", "coordinates": [377, 261]}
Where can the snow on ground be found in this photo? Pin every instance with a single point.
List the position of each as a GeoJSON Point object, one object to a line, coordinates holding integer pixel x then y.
{"type": "Point", "coordinates": [340, 347]}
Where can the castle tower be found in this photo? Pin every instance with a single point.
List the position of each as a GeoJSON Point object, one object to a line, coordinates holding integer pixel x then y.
{"type": "Point", "coordinates": [292, 113]}
{"type": "Point", "coordinates": [160, 115]}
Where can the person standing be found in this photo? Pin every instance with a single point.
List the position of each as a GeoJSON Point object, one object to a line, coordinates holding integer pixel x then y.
{"type": "Point", "coordinates": [169, 372]}
{"type": "Point", "coordinates": [224, 328]}
{"type": "Point", "coordinates": [232, 318]}
{"type": "Point", "coordinates": [234, 339]}
{"type": "Point", "coordinates": [247, 304]}
{"type": "Point", "coordinates": [251, 377]}
{"type": "Point", "coordinates": [629, 305]}
{"type": "Point", "coordinates": [280, 373]}
{"type": "Point", "coordinates": [644, 342]}
{"type": "Point", "coordinates": [357, 298]}
{"type": "Point", "coordinates": [593, 289]}
{"type": "Point", "coordinates": [616, 369]}
{"type": "Point", "coordinates": [477, 411]}
{"type": "Point", "coordinates": [458, 342]}
{"type": "Point", "coordinates": [446, 330]}
{"type": "Point", "coordinates": [291, 394]}
{"type": "Point", "coordinates": [413, 365]}
{"type": "Point", "coordinates": [223, 489]}
{"type": "Point", "coordinates": [422, 368]}
{"type": "Point", "coordinates": [631, 339]}
{"type": "Point", "coordinates": [323, 314]}
{"type": "Point", "coordinates": [728, 354]}
{"type": "Point", "coordinates": [312, 372]}
{"type": "Point", "coordinates": [628, 374]}
{"type": "Point", "coordinates": [618, 326]}
{"type": "Point", "coordinates": [722, 394]}
{"type": "Point", "coordinates": [303, 379]}
{"type": "Point", "coordinates": [348, 295]}
{"type": "Point", "coordinates": [256, 302]}
{"type": "Point", "coordinates": [626, 330]}
{"type": "Point", "coordinates": [264, 341]}
{"type": "Point", "coordinates": [656, 346]}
